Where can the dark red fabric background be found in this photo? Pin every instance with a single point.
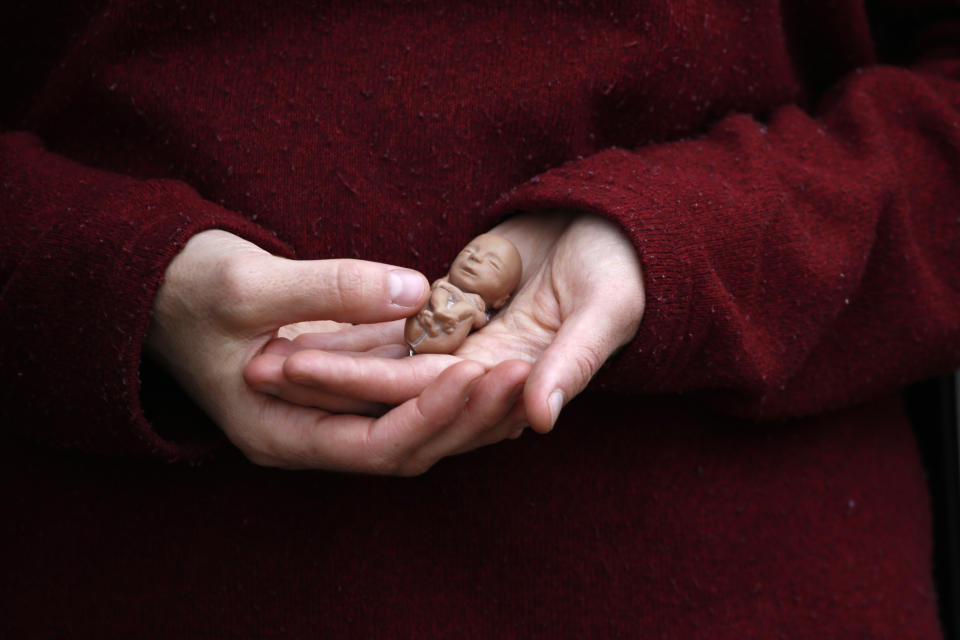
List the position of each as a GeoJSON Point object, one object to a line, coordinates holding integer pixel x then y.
{"type": "Point", "coordinates": [787, 171]}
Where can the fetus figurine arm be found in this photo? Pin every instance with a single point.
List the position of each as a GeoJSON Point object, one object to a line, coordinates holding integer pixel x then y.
{"type": "Point", "coordinates": [439, 299]}
{"type": "Point", "coordinates": [453, 306]}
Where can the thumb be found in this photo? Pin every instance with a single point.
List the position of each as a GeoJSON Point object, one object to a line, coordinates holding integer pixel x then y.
{"type": "Point", "coordinates": [583, 343]}
{"type": "Point", "coordinates": [341, 290]}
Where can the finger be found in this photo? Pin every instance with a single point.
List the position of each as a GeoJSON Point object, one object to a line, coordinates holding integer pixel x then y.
{"type": "Point", "coordinates": [284, 347]}
{"type": "Point", "coordinates": [387, 445]}
{"type": "Point", "coordinates": [391, 351]}
{"type": "Point", "coordinates": [276, 291]}
{"type": "Point", "coordinates": [494, 412]}
{"type": "Point", "coordinates": [264, 373]}
{"type": "Point", "coordinates": [372, 379]}
{"type": "Point", "coordinates": [291, 331]}
{"type": "Point", "coordinates": [280, 347]}
{"type": "Point", "coordinates": [515, 423]}
{"type": "Point", "coordinates": [584, 342]}
{"type": "Point", "coordinates": [492, 397]}
{"type": "Point", "coordinates": [360, 337]}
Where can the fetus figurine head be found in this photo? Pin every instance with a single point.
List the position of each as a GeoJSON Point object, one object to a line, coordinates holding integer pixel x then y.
{"type": "Point", "coordinates": [489, 266]}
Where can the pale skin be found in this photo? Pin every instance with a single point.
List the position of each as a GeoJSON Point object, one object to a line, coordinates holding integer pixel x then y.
{"type": "Point", "coordinates": [341, 395]}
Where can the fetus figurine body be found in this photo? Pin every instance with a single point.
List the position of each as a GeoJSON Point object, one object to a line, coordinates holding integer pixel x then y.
{"type": "Point", "coordinates": [481, 280]}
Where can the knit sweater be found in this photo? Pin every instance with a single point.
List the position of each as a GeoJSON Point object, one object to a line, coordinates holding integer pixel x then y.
{"type": "Point", "coordinates": [789, 177]}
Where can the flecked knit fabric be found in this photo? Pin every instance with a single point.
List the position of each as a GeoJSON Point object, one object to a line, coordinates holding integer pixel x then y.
{"type": "Point", "coordinates": [789, 175]}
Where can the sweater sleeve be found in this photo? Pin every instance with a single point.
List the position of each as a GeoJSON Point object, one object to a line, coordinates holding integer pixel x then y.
{"type": "Point", "coordinates": [82, 254]}
{"type": "Point", "coordinates": [795, 265]}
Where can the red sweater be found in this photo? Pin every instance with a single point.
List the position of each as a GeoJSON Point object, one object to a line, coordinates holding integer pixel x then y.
{"type": "Point", "coordinates": [789, 174]}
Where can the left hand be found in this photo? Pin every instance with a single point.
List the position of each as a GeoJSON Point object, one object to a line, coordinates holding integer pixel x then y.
{"type": "Point", "coordinates": [580, 299]}
{"type": "Point", "coordinates": [224, 298]}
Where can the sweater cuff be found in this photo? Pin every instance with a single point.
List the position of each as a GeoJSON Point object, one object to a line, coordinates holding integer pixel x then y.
{"type": "Point", "coordinates": [103, 281]}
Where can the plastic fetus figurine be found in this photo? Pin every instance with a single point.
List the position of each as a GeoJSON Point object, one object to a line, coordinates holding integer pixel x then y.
{"type": "Point", "coordinates": [481, 280]}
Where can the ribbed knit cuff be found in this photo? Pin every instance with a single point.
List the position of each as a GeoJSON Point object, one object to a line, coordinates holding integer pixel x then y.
{"type": "Point", "coordinates": [81, 298]}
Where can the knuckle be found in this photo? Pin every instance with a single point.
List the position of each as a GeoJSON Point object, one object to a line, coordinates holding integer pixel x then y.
{"type": "Point", "coordinates": [587, 362]}
{"type": "Point", "coordinates": [414, 467]}
{"type": "Point", "coordinates": [388, 460]}
{"type": "Point", "coordinates": [350, 285]}
{"type": "Point", "coordinates": [311, 452]}
{"type": "Point", "coordinates": [262, 450]}
{"type": "Point", "coordinates": [380, 460]}
{"type": "Point", "coordinates": [395, 462]}
{"type": "Point", "coordinates": [237, 280]}
{"type": "Point", "coordinates": [384, 466]}
{"type": "Point", "coordinates": [257, 456]}
{"type": "Point", "coordinates": [255, 373]}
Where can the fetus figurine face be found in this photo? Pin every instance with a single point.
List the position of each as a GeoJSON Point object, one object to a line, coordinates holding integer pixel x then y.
{"type": "Point", "coordinates": [481, 279]}
{"type": "Point", "coordinates": [489, 266]}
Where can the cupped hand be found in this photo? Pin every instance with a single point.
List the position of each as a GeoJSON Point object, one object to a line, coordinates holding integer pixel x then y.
{"type": "Point", "coordinates": [581, 298]}
{"type": "Point", "coordinates": [224, 299]}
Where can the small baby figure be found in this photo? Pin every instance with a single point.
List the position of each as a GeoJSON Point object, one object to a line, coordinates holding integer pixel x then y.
{"type": "Point", "coordinates": [481, 280]}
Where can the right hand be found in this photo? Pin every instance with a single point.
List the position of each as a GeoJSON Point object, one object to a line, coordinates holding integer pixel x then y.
{"type": "Point", "coordinates": [224, 299]}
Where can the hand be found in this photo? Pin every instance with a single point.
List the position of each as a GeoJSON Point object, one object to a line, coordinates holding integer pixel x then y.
{"type": "Point", "coordinates": [581, 298]}
{"type": "Point", "coordinates": [224, 299]}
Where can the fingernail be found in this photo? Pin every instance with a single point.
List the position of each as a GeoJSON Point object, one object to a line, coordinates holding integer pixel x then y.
{"type": "Point", "coordinates": [406, 287]}
{"type": "Point", "coordinates": [555, 403]}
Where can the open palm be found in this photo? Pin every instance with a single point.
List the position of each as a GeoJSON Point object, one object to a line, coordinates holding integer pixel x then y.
{"type": "Point", "coordinates": [581, 297]}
